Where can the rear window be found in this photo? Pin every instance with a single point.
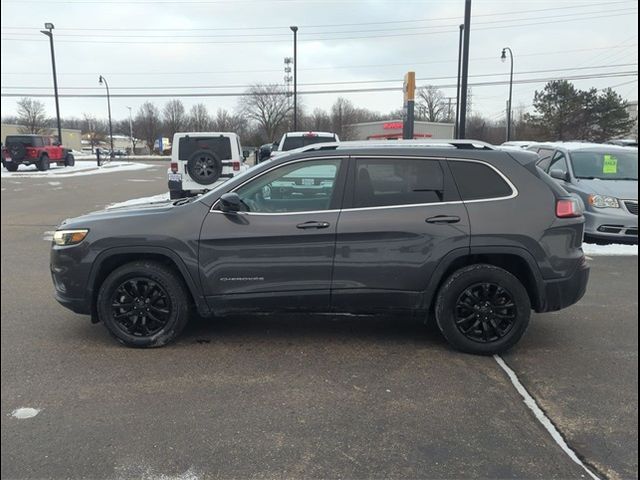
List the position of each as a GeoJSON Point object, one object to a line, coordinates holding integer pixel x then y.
{"type": "Point", "coordinates": [297, 142]}
{"type": "Point", "coordinates": [477, 181]}
{"type": "Point", "coordinates": [26, 140]}
{"type": "Point", "coordinates": [221, 146]}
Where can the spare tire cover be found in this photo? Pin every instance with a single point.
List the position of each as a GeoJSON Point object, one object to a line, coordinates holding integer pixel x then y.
{"type": "Point", "coordinates": [18, 151]}
{"type": "Point", "coordinates": [204, 167]}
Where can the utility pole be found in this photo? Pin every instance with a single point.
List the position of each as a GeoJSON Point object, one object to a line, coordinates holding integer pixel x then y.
{"type": "Point", "coordinates": [409, 105]}
{"type": "Point", "coordinates": [133, 147]}
{"type": "Point", "coordinates": [294, 29]}
{"type": "Point", "coordinates": [49, 33]}
{"type": "Point", "coordinates": [465, 70]}
{"type": "Point", "coordinates": [509, 108]}
{"type": "Point", "coordinates": [456, 126]}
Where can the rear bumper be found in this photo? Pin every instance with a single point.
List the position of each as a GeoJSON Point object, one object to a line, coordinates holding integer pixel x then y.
{"type": "Point", "coordinates": [564, 292]}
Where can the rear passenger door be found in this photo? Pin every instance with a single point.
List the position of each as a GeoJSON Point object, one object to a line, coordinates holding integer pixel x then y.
{"type": "Point", "coordinates": [401, 216]}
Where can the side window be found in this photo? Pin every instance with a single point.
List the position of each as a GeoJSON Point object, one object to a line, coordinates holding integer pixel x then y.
{"type": "Point", "coordinates": [40, 142]}
{"type": "Point", "coordinates": [295, 187]}
{"type": "Point", "coordinates": [477, 181]}
{"type": "Point", "coordinates": [545, 158]}
{"type": "Point", "coordinates": [389, 182]}
{"type": "Point", "coordinates": [559, 162]}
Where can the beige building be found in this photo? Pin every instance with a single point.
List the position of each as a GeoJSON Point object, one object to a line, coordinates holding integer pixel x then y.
{"type": "Point", "coordinates": [70, 138]}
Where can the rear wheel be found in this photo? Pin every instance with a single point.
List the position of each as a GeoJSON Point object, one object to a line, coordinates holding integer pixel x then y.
{"type": "Point", "coordinates": [177, 194]}
{"type": "Point", "coordinates": [143, 304]}
{"type": "Point", "coordinates": [11, 166]}
{"type": "Point", "coordinates": [69, 160]}
{"type": "Point", "coordinates": [43, 164]}
{"type": "Point", "coordinates": [482, 309]}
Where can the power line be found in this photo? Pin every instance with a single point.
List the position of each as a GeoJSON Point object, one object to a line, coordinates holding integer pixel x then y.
{"type": "Point", "coordinates": [315, 39]}
{"type": "Point", "coordinates": [335, 67]}
{"type": "Point", "coordinates": [319, 92]}
{"type": "Point", "coordinates": [528, 19]}
{"type": "Point", "coordinates": [350, 82]}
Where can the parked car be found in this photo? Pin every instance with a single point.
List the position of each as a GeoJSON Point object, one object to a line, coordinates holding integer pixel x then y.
{"type": "Point", "coordinates": [38, 150]}
{"type": "Point", "coordinates": [604, 178]}
{"type": "Point", "coordinates": [264, 152]}
{"type": "Point", "coordinates": [472, 236]}
{"type": "Point", "coordinates": [624, 142]}
{"type": "Point", "coordinates": [200, 160]}
{"type": "Point", "coordinates": [517, 144]}
{"type": "Point", "coordinates": [295, 140]}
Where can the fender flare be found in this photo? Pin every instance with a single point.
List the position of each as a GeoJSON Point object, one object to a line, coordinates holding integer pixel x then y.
{"type": "Point", "coordinates": [194, 287]}
{"type": "Point", "coordinates": [538, 296]}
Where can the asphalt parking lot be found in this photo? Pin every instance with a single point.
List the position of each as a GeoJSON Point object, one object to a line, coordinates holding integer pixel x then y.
{"type": "Point", "coordinates": [299, 397]}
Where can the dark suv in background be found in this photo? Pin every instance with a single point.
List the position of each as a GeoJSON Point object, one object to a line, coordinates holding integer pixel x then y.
{"type": "Point", "coordinates": [458, 231]}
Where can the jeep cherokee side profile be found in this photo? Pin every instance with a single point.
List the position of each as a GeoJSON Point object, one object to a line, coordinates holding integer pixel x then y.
{"type": "Point", "coordinates": [41, 150]}
{"type": "Point", "coordinates": [455, 230]}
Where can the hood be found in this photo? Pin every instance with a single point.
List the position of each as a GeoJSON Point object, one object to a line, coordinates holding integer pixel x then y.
{"type": "Point", "coordinates": [623, 189]}
{"type": "Point", "coordinates": [122, 211]}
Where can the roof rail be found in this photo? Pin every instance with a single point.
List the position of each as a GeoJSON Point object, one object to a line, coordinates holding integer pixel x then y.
{"type": "Point", "coordinates": [458, 144]}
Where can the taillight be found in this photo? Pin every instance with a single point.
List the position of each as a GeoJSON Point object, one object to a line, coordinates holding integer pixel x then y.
{"type": "Point", "coordinates": [236, 166]}
{"type": "Point", "coordinates": [31, 153]}
{"type": "Point", "coordinates": [174, 167]}
{"type": "Point", "coordinates": [568, 208]}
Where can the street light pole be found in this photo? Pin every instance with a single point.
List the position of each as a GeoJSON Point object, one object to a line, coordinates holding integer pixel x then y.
{"type": "Point", "coordinates": [464, 79]}
{"type": "Point", "coordinates": [133, 147]}
{"type": "Point", "coordinates": [49, 33]}
{"type": "Point", "coordinates": [102, 80]}
{"type": "Point", "coordinates": [456, 126]}
{"type": "Point", "coordinates": [509, 108]}
{"type": "Point", "coordinates": [294, 29]}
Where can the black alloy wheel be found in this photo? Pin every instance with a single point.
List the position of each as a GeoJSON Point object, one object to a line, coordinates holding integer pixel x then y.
{"type": "Point", "coordinates": [141, 307]}
{"type": "Point", "coordinates": [485, 312]}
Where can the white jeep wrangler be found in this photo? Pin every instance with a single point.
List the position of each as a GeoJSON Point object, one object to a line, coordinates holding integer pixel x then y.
{"type": "Point", "coordinates": [200, 160]}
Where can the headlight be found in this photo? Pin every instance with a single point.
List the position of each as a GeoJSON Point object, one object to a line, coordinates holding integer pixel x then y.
{"type": "Point", "coordinates": [603, 201]}
{"type": "Point", "coordinates": [69, 237]}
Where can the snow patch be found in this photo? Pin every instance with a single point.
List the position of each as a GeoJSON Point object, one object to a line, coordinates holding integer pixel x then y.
{"type": "Point", "coordinates": [160, 198]}
{"type": "Point", "coordinates": [80, 168]}
{"type": "Point", "coordinates": [612, 250]}
{"type": "Point", "coordinates": [54, 184]}
{"type": "Point", "coordinates": [23, 413]}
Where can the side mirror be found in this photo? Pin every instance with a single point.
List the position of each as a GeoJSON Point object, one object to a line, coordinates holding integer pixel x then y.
{"type": "Point", "coordinates": [231, 203]}
{"type": "Point", "coordinates": [559, 174]}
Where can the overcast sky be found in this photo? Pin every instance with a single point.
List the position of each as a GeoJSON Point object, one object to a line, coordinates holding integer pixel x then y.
{"type": "Point", "coordinates": [214, 46]}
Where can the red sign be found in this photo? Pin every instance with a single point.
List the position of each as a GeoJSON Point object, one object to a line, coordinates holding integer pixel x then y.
{"type": "Point", "coordinates": [392, 125]}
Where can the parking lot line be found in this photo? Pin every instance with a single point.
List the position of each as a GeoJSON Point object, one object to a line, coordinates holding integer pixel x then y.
{"type": "Point", "coordinates": [548, 425]}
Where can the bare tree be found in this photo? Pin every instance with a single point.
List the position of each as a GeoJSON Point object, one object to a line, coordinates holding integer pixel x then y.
{"type": "Point", "coordinates": [93, 129]}
{"type": "Point", "coordinates": [319, 120]}
{"type": "Point", "coordinates": [343, 114]}
{"type": "Point", "coordinates": [199, 118]}
{"type": "Point", "coordinates": [147, 123]}
{"type": "Point", "coordinates": [32, 117]}
{"type": "Point", "coordinates": [268, 106]}
{"type": "Point", "coordinates": [431, 101]}
{"type": "Point", "coordinates": [175, 118]}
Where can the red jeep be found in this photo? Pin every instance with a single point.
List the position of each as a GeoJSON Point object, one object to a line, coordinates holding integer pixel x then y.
{"type": "Point", "coordinates": [40, 150]}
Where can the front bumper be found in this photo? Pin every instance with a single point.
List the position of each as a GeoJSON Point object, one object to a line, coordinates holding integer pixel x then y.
{"type": "Point", "coordinates": [564, 292]}
{"type": "Point", "coordinates": [612, 224]}
{"type": "Point", "coordinates": [76, 305]}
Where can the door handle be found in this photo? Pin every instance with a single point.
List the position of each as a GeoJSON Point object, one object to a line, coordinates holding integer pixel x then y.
{"type": "Point", "coordinates": [312, 224]}
{"type": "Point", "coordinates": [441, 219]}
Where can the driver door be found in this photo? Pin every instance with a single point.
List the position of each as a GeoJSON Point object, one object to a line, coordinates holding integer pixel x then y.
{"type": "Point", "coordinates": [278, 254]}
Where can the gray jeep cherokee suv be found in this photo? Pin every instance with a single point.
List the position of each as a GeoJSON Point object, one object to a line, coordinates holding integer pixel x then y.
{"type": "Point", "coordinates": [458, 231]}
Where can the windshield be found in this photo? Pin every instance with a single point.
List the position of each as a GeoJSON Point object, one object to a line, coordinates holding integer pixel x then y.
{"type": "Point", "coordinates": [605, 165]}
{"type": "Point", "coordinates": [291, 143]}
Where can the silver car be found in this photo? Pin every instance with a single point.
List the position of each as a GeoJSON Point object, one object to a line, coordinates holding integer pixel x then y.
{"type": "Point", "coordinates": [604, 177]}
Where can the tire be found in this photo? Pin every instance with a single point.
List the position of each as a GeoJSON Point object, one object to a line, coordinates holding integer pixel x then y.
{"type": "Point", "coordinates": [43, 164]}
{"type": "Point", "coordinates": [204, 167]}
{"type": "Point", "coordinates": [18, 151]}
{"type": "Point", "coordinates": [11, 166]}
{"type": "Point", "coordinates": [69, 160]}
{"type": "Point", "coordinates": [131, 285]}
{"type": "Point", "coordinates": [482, 309]}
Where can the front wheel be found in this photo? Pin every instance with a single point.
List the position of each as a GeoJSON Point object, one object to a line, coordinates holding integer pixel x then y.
{"type": "Point", "coordinates": [143, 304]}
{"type": "Point", "coordinates": [482, 309]}
{"type": "Point", "coordinates": [69, 160]}
{"type": "Point", "coordinates": [43, 163]}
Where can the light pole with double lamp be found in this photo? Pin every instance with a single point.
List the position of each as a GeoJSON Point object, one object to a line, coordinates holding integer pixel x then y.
{"type": "Point", "coordinates": [102, 80]}
{"type": "Point", "coordinates": [294, 29]}
{"type": "Point", "coordinates": [503, 57]}
{"type": "Point", "coordinates": [49, 33]}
